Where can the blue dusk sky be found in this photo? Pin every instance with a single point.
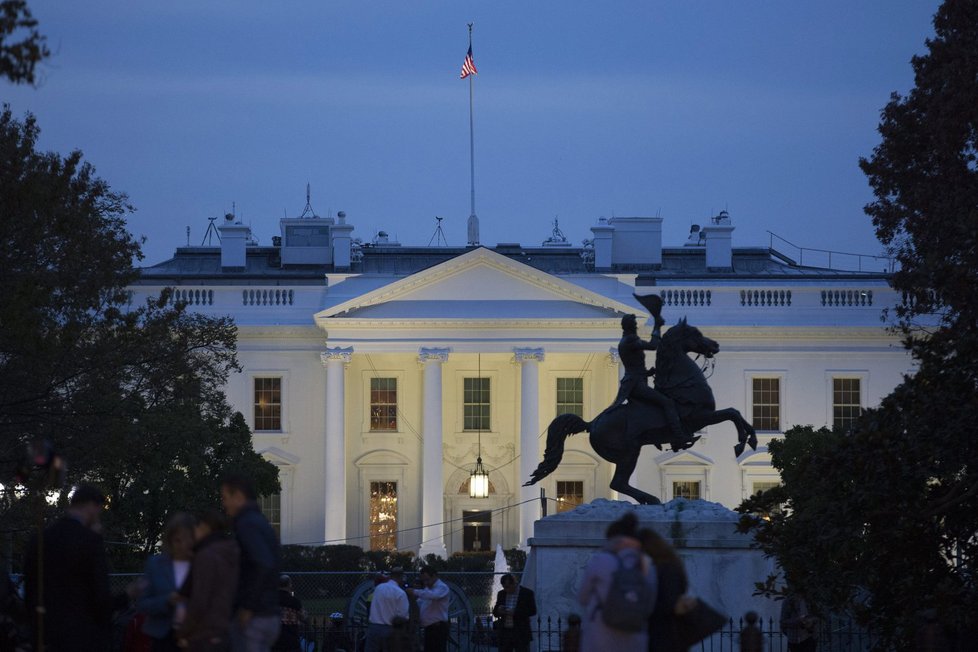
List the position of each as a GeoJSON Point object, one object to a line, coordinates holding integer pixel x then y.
{"type": "Point", "coordinates": [582, 110]}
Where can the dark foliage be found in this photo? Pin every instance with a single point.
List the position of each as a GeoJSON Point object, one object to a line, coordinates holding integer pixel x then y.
{"type": "Point", "coordinates": [22, 46]}
{"type": "Point", "coordinates": [131, 395]}
{"type": "Point", "coordinates": [881, 521]}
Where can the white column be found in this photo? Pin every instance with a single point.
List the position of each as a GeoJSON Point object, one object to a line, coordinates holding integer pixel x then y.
{"type": "Point", "coordinates": [334, 469]}
{"type": "Point", "coordinates": [614, 360]}
{"type": "Point", "coordinates": [529, 360]}
{"type": "Point", "coordinates": [432, 483]}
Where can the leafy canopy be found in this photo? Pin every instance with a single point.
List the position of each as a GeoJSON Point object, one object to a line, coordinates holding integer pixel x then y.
{"type": "Point", "coordinates": [882, 521]}
{"type": "Point", "coordinates": [132, 396]}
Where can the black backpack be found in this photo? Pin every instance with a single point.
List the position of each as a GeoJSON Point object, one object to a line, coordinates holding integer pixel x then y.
{"type": "Point", "coordinates": [630, 598]}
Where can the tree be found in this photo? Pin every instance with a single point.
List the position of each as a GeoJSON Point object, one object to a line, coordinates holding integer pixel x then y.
{"type": "Point", "coordinates": [132, 396]}
{"type": "Point", "coordinates": [882, 522]}
{"type": "Point", "coordinates": [22, 47]}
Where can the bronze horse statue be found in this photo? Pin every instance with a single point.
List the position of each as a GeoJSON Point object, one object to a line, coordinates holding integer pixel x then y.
{"type": "Point", "coordinates": [618, 433]}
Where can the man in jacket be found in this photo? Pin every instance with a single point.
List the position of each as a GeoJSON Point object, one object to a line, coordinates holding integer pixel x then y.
{"type": "Point", "coordinates": [257, 618]}
{"type": "Point", "coordinates": [76, 600]}
{"type": "Point", "coordinates": [515, 606]}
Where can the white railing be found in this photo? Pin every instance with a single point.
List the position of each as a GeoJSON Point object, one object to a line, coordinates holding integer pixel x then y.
{"type": "Point", "coordinates": [765, 298]}
{"type": "Point", "coordinates": [846, 298]}
{"type": "Point", "coordinates": [686, 297]}
{"type": "Point", "coordinates": [192, 297]}
{"type": "Point", "coordinates": [267, 297]}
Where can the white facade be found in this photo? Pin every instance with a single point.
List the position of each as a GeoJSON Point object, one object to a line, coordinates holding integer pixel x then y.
{"type": "Point", "coordinates": [327, 336]}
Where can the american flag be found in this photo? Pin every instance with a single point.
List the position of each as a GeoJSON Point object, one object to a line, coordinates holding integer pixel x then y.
{"type": "Point", "coordinates": [468, 66]}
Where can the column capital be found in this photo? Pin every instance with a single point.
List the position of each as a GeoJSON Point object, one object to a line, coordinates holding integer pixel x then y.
{"type": "Point", "coordinates": [342, 354]}
{"type": "Point", "coordinates": [528, 355]}
{"type": "Point", "coordinates": [430, 354]}
{"type": "Point", "coordinates": [613, 356]}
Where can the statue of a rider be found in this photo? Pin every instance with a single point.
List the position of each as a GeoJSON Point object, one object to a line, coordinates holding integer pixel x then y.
{"type": "Point", "coordinates": [634, 384]}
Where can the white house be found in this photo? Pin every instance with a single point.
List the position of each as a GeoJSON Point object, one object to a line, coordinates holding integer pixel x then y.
{"type": "Point", "coordinates": [375, 375]}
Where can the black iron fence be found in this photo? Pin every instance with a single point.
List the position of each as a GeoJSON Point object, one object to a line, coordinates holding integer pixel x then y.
{"type": "Point", "coordinates": [552, 635]}
{"type": "Point", "coordinates": [335, 602]}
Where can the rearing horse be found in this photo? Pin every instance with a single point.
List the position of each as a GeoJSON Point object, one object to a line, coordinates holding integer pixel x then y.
{"type": "Point", "coordinates": [618, 433]}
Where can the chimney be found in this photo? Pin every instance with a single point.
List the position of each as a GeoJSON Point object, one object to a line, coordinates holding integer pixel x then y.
{"type": "Point", "coordinates": [719, 248]}
{"type": "Point", "coordinates": [603, 233]}
{"type": "Point", "coordinates": [234, 240]}
{"type": "Point", "coordinates": [341, 243]}
{"type": "Point", "coordinates": [637, 242]}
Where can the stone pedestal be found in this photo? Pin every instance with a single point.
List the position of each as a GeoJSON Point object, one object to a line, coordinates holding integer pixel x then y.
{"type": "Point", "coordinates": [721, 566]}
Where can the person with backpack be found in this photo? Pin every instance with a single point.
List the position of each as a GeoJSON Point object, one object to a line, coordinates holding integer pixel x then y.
{"type": "Point", "coordinates": [618, 592]}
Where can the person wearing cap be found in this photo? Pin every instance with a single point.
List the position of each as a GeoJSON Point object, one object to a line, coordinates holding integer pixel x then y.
{"type": "Point", "coordinates": [76, 603]}
{"type": "Point", "coordinates": [433, 601]}
{"type": "Point", "coordinates": [293, 617]}
{"type": "Point", "coordinates": [388, 607]}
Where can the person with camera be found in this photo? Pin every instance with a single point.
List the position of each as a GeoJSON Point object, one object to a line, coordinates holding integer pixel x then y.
{"type": "Point", "coordinates": [73, 610]}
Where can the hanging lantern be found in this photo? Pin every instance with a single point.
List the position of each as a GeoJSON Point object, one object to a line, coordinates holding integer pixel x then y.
{"type": "Point", "coordinates": [479, 481]}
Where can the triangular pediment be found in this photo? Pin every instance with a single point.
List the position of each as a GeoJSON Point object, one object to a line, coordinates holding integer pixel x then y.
{"type": "Point", "coordinates": [480, 284]}
{"type": "Point", "coordinates": [684, 458]}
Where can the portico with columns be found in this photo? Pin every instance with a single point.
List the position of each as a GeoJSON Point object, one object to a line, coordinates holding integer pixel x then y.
{"type": "Point", "coordinates": [513, 326]}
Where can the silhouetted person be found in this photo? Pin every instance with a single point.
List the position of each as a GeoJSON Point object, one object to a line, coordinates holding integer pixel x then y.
{"type": "Point", "coordinates": [798, 623]}
{"type": "Point", "coordinates": [77, 602]}
{"type": "Point", "coordinates": [293, 617]}
{"type": "Point", "coordinates": [671, 599]}
{"type": "Point", "coordinates": [257, 620]}
{"type": "Point", "coordinates": [751, 637]}
{"type": "Point", "coordinates": [571, 641]}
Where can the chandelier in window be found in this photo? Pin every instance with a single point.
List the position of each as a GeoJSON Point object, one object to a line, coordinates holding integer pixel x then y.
{"type": "Point", "coordinates": [479, 479]}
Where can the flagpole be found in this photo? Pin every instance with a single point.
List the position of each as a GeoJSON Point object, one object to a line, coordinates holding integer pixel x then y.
{"type": "Point", "coordinates": [473, 226]}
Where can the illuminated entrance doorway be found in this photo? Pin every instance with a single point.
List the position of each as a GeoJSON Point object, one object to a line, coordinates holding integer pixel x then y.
{"type": "Point", "coordinates": [476, 530]}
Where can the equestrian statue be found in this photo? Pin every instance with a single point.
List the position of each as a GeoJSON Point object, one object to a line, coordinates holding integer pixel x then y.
{"type": "Point", "coordinates": [680, 403]}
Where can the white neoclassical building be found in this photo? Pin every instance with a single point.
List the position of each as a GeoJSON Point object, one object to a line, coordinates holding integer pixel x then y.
{"type": "Point", "coordinates": [375, 375]}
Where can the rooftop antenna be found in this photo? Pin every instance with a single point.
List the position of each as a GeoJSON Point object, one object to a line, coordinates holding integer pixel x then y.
{"type": "Point", "coordinates": [211, 232]}
{"type": "Point", "coordinates": [234, 209]}
{"type": "Point", "coordinates": [308, 212]}
{"type": "Point", "coordinates": [188, 235]}
{"type": "Point", "coordinates": [439, 235]}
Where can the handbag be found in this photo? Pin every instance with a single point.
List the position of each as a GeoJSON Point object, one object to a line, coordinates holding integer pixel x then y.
{"type": "Point", "coordinates": [698, 623]}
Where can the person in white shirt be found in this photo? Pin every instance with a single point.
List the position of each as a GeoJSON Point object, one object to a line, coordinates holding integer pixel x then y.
{"type": "Point", "coordinates": [433, 601]}
{"type": "Point", "coordinates": [388, 607]}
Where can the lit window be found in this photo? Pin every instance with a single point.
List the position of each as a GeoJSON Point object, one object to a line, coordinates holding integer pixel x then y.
{"type": "Point", "coordinates": [846, 405]}
{"type": "Point", "coordinates": [570, 396]}
{"type": "Point", "coordinates": [767, 404]}
{"type": "Point", "coordinates": [475, 403]}
{"type": "Point", "coordinates": [383, 403]}
{"type": "Point", "coordinates": [760, 486]}
{"type": "Point", "coordinates": [268, 404]}
{"type": "Point", "coordinates": [686, 489]}
{"type": "Point", "coordinates": [271, 507]}
{"type": "Point", "coordinates": [570, 494]}
{"type": "Point", "coordinates": [383, 515]}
